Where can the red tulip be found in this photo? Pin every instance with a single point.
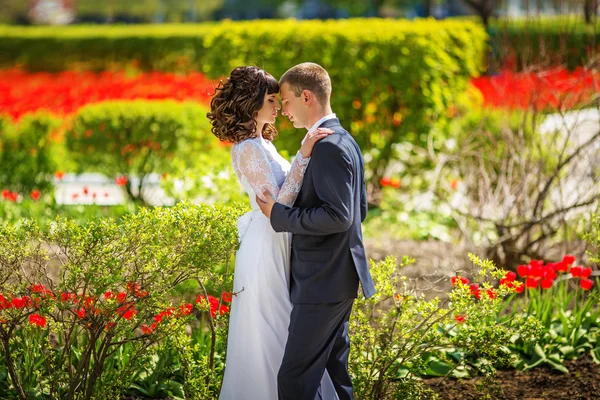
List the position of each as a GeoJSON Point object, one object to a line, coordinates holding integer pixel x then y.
{"type": "Point", "coordinates": [227, 297]}
{"type": "Point", "coordinates": [474, 288]}
{"type": "Point", "coordinates": [121, 180]}
{"type": "Point", "coordinates": [586, 272]}
{"type": "Point", "coordinates": [520, 288]}
{"type": "Point", "coordinates": [510, 276]}
{"type": "Point", "coordinates": [532, 282]}
{"type": "Point", "coordinates": [385, 182]}
{"type": "Point", "coordinates": [59, 95]}
{"type": "Point", "coordinates": [19, 302]}
{"type": "Point", "coordinates": [37, 320]}
{"type": "Point", "coordinates": [523, 270]}
{"type": "Point", "coordinates": [35, 195]}
{"type": "Point", "coordinates": [223, 309]}
{"type": "Point", "coordinates": [561, 266]}
{"type": "Point", "coordinates": [536, 268]}
{"type": "Point", "coordinates": [81, 312]}
{"type": "Point", "coordinates": [576, 271]}
{"type": "Point", "coordinates": [185, 309]}
{"type": "Point", "coordinates": [547, 283]}
{"type": "Point", "coordinates": [121, 297]}
{"type": "Point", "coordinates": [586, 284]}
{"type": "Point", "coordinates": [456, 279]}
{"type": "Point", "coordinates": [568, 259]}
{"type": "Point", "coordinates": [146, 329]}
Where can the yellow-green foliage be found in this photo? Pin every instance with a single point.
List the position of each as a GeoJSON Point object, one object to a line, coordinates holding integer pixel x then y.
{"type": "Point", "coordinates": [393, 80]}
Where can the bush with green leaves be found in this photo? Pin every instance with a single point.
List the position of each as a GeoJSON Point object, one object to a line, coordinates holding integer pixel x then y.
{"type": "Point", "coordinates": [398, 338]}
{"type": "Point", "coordinates": [29, 153]}
{"type": "Point", "coordinates": [125, 139]}
{"type": "Point", "coordinates": [44, 209]}
{"type": "Point", "coordinates": [208, 177]}
{"type": "Point", "coordinates": [81, 305]}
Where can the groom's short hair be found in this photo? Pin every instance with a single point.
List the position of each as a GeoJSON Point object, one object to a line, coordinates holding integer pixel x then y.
{"type": "Point", "coordinates": [309, 76]}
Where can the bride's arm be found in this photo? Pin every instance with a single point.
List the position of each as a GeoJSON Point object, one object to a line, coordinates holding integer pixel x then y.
{"type": "Point", "coordinates": [249, 160]}
{"type": "Point", "coordinates": [293, 181]}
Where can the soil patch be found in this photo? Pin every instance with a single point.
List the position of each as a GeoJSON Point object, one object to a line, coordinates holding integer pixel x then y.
{"type": "Point", "coordinates": [582, 382]}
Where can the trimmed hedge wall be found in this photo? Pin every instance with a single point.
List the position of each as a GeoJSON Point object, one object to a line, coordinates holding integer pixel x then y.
{"type": "Point", "coordinates": [392, 80]}
{"type": "Point", "coordinates": [548, 41]}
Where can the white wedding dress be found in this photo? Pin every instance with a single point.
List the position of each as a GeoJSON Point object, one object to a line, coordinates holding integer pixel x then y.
{"type": "Point", "coordinates": [261, 307]}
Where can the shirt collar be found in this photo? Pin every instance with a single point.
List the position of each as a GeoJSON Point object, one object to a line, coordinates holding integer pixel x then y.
{"type": "Point", "coordinates": [318, 123]}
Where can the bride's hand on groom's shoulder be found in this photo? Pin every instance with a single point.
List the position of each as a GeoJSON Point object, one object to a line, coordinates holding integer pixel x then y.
{"type": "Point", "coordinates": [311, 138]}
{"type": "Point", "coordinates": [266, 205]}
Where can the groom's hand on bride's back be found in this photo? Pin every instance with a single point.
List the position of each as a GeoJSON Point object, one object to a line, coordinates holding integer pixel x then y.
{"type": "Point", "coordinates": [266, 205]}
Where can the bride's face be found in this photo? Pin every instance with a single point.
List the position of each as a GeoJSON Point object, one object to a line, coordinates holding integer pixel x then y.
{"type": "Point", "coordinates": [268, 112]}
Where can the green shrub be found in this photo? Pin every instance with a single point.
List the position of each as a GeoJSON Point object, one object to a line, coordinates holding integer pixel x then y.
{"type": "Point", "coordinates": [28, 153]}
{"type": "Point", "coordinates": [82, 306]}
{"type": "Point", "coordinates": [210, 179]}
{"type": "Point", "coordinates": [398, 338]}
{"type": "Point", "coordinates": [137, 138]}
{"type": "Point", "coordinates": [548, 41]}
{"type": "Point", "coordinates": [392, 80]}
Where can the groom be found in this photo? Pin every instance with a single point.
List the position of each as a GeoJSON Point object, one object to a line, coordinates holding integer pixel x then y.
{"type": "Point", "coordinates": [328, 257]}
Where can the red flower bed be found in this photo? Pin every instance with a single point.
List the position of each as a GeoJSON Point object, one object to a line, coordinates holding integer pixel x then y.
{"type": "Point", "coordinates": [63, 93]}
{"type": "Point", "coordinates": [547, 90]}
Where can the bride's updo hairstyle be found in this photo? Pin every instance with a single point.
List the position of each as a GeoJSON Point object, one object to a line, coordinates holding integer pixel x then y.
{"type": "Point", "coordinates": [236, 102]}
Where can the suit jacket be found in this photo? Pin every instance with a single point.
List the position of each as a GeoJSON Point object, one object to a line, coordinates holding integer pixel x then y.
{"type": "Point", "coordinates": [328, 256]}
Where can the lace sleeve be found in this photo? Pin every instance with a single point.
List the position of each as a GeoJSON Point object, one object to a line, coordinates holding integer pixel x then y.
{"type": "Point", "coordinates": [293, 181]}
{"type": "Point", "coordinates": [250, 161]}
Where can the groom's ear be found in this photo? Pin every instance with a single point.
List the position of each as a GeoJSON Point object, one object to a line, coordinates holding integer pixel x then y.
{"type": "Point", "coordinates": [307, 97]}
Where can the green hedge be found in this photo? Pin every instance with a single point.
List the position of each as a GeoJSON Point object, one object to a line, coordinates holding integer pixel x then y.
{"type": "Point", "coordinates": [29, 153]}
{"type": "Point", "coordinates": [137, 138]}
{"type": "Point", "coordinates": [549, 41]}
{"type": "Point", "coordinates": [393, 80]}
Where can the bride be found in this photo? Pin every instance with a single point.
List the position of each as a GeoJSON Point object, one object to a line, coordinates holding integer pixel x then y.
{"type": "Point", "coordinates": [243, 111]}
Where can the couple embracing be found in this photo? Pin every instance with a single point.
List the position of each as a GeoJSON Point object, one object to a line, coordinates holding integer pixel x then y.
{"type": "Point", "coordinates": [301, 256]}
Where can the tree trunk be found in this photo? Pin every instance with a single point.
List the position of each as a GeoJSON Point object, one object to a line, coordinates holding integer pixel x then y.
{"type": "Point", "coordinates": [427, 8]}
{"type": "Point", "coordinates": [484, 8]}
{"type": "Point", "coordinates": [590, 8]}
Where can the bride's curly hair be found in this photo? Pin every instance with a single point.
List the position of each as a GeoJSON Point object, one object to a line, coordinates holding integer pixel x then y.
{"type": "Point", "coordinates": [236, 103]}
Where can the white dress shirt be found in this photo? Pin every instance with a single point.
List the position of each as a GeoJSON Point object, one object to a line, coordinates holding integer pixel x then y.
{"type": "Point", "coordinates": [318, 123]}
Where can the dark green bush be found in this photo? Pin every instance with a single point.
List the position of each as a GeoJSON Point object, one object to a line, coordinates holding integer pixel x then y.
{"type": "Point", "coordinates": [548, 42]}
{"type": "Point", "coordinates": [28, 153]}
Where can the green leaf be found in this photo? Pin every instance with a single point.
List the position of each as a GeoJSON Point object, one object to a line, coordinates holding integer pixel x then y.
{"type": "Point", "coordinates": [438, 368]}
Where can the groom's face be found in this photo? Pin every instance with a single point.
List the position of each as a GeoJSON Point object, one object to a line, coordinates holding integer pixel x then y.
{"type": "Point", "coordinates": [293, 106]}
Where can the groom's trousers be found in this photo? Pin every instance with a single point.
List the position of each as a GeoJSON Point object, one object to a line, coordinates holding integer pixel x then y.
{"type": "Point", "coordinates": [318, 339]}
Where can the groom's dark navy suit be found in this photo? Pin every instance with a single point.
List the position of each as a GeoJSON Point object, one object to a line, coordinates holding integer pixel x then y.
{"type": "Point", "coordinates": [328, 261]}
